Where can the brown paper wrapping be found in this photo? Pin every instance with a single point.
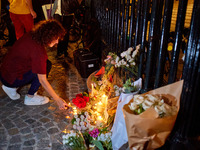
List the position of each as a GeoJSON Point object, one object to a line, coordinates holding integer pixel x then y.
{"type": "Point", "coordinates": [147, 130]}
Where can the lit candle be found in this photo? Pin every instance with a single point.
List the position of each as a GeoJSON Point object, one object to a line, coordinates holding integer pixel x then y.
{"type": "Point", "coordinates": [92, 93]}
{"type": "Point", "coordinates": [105, 100]}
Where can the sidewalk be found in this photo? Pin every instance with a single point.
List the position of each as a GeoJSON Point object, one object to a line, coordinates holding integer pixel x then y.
{"type": "Point", "coordinates": [40, 127]}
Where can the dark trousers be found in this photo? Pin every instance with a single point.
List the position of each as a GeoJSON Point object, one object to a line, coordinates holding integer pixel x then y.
{"type": "Point", "coordinates": [28, 78]}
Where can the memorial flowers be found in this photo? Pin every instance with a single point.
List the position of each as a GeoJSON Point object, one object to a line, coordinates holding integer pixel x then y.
{"type": "Point", "coordinates": [81, 100]}
{"type": "Point", "coordinates": [99, 138]}
{"type": "Point", "coordinates": [143, 102]}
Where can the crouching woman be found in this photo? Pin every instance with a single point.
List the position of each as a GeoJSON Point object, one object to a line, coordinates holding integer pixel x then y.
{"type": "Point", "coordinates": [27, 63]}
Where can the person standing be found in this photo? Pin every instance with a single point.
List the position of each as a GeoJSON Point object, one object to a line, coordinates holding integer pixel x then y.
{"type": "Point", "coordinates": [22, 16]}
{"type": "Point", "coordinates": [27, 63]}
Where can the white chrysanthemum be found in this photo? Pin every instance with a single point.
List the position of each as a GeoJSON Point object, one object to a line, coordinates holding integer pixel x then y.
{"type": "Point", "coordinates": [82, 123]}
{"type": "Point", "coordinates": [134, 53]}
{"type": "Point", "coordinates": [151, 97]}
{"type": "Point", "coordinates": [78, 128]}
{"type": "Point", "coordinates": [82, 117]}
{"type": "Point", "coordinates": [123, 54]}
{"type": "Point", "coordinates": [74, 126]}
{"type": "Point", "coordinates": [133, 63]}
{"type": "Point", "coordinates": [130, 49]}
{"type": "Point", "coordinates": [117, 59]}
{"type": "Point", "coordinates": [158, 109]}
{"type": "Point", "coordinates": [117, 93]}
{"type": "Point", "coordinates": [133, 106]}
{"type": "Point", "coordinates": [78, 120]}
{"type": "Point", "coordinates": [145, 105]}
{"type": "Point", "coordinates": [76, 116]}
{"type": "Point", "coordinates": [86, 113]}
{"type": "Point", "coordinates": [138, 99]}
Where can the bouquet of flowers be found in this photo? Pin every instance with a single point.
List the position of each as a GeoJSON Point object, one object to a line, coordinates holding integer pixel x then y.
{"type": "Point", "coordinates": [99, 138]}
{"type": "Point", "coordinates": [143, 102]}
{"type": "Point", "coordinates": [152, 116]}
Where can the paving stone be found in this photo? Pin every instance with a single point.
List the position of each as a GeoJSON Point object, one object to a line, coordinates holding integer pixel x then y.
{"type": "Point", "coordinates": [27, 148]}
{"type": "Point", "coordinates": [15, 147]}
{"type": "Point", "coordinates": [25, 130]}
{"type": "Point", "coordinates": [38, 130]}
{"type": "Point", "coordinates": [30, 121]}
{"type": "Point", "coordinates": [49, 125]}
{"type": "Point", "coordinates": [20, 123]}
{"type": "Point", "coordinates": [8, 124]}
{"type": "Point", "coordinates": [44, 143]}
{"type": "Point", "coordinates": [58, 146]}
{"type": "Point", "coordinates": [44, 120]}
{"type": "Point", "coordinates": [53, 130]}
{"type": "Point", "coordinates": [28, 136]}
{"type": "Point", "coordinates": [29, 142]}
{"type": "Point", "coordinates": [36, 124]}
{"type": "Point", "coordinates": [13, 131]}
{"type": "Point", "coordinates": [15, 139]}
{"type": "Point", "coordinates": [41, 135]}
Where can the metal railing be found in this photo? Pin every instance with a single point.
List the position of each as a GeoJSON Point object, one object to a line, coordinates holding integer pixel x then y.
{"type": "Point", "coordinates": [127, 23]}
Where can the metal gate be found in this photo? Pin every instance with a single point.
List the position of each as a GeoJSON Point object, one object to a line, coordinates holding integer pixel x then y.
{"type": "Point", "coordinates": [127, 23]}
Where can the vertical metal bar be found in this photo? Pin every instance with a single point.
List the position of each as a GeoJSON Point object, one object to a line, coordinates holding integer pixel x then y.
{"type": "Point", "coordinates": [118, 25]}
{"type": "Point", "coordinates": [151, 40]}
{"type": "Point", "coordinates": [127, 4]}
{"type": "Point", "coordinates": [137, 27]}
{"type": "Point", "coordinates": [122, 26]}
{"type": "Point", "coordinates": [163, 42]}
{"type": "Point", "coordinates": [111, 23]}
{"type": "Point", "coordinates": [115, 26]}
{"type": "Point", "coordinates": [176, 48]}
{"type": "Point", "coordinates": [132, 22]}
{"type": "Point", "coordinates": [191, 61]}
{"type": "Point", "coordinates": [142, 38]}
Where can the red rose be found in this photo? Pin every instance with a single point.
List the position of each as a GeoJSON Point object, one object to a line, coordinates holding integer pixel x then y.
{"type": "Point", "coordinates": [80, 100]}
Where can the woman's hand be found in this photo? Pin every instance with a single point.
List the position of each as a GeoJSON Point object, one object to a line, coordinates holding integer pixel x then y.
{"type": "Point", "coordinates": [62, 104]}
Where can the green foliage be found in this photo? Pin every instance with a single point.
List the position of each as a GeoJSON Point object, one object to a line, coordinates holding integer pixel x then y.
{"type": "Point", "coordinates": [139, 110]}
{"type": "Point", "coordinates": [98, 144]}
{"type": "Point", "coordinates": [128, 87]}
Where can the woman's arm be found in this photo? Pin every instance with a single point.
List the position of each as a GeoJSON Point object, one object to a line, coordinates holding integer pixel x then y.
{"type": "Point", "coordinates": [30, 6]}
{"type": "Point", "coordinates": [46, 85]}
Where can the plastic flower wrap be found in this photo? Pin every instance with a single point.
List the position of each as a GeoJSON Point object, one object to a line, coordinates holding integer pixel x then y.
{"type": "Point", "coordinates": [142, 102]}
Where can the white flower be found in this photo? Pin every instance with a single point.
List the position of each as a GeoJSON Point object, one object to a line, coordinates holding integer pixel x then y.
{"type": "Point", "coordinates": [82, 123]}
{"type": "Point", "coordinates": [78, 128]}
{"type": "Point", "coordinates": [130, 49]}
{"type": "Point", "coordinates": [117, 59]}
{"type": "Point", "coordinates": [145, 105]}
{"type": "Point", "coordinates": [133, 106]}
{"type": "Point", "coordinates": [86, 113]}
{"type": "Point", "coordinates": [82, 117]}
{"type": "Point", "coordinates": [138, 99]}
{"type": "Point", "coordinates": [158, 109]}
{"type": "Point", "coordinates": [74, 126]}
{"type": "Point", "coordinates": [75, 116]}
{"type": "Point", "coordinates": [78, 120]}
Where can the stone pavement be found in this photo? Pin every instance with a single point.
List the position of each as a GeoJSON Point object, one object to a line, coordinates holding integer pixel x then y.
{"type": "Point", "coordinates": [39, 127]}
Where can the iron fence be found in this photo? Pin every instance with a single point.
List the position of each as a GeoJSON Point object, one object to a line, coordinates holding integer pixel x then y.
{"type": "Point", "coordinates": [127, 23]}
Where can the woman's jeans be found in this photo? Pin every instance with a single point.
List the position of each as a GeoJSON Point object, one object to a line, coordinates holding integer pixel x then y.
{"type": "Point", "coordinates": [28, 78]}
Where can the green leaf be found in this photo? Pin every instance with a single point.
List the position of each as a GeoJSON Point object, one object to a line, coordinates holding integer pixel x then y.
{"type": "Point", "coordinates": [98, 144]}
{"type": "Point", "coordinates": [73, 120]}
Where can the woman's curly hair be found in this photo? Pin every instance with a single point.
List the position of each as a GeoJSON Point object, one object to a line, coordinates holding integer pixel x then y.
{"type": "Point", "coordinates": [46, 31]}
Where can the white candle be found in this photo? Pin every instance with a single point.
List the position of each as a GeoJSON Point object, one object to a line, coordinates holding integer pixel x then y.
{"type": "Point", "coordinates": [92, 93]}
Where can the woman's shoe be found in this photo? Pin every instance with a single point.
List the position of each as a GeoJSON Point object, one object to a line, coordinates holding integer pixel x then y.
{"type": "Point", "coordinates": [11, 92]}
